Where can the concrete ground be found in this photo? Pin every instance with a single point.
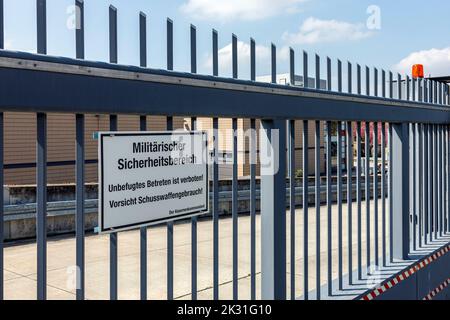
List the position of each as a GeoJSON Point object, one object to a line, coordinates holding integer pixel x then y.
{"type": "Point", "coordinates": [20, 261]}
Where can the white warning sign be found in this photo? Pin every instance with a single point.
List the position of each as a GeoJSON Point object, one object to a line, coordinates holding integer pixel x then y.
{"type": "Point", "coordinates": [147, 178]}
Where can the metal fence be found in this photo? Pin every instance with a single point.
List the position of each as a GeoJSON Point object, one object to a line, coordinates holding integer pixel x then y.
{"type": "Point", "coordinates": [388, 209]}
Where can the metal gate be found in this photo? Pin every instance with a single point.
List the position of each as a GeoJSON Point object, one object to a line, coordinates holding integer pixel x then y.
{"type": "Point", "coordinates": [384, 214]}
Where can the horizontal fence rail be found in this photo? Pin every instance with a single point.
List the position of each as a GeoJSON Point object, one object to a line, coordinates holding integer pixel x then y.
{"type": "Point", "coordinates": [362, 186]}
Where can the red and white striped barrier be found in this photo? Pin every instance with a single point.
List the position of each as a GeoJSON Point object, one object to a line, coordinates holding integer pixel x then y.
{"type": "Point", "coordinates": [433, 293]}
{"type": "Point", "coordinates": [406, 274]}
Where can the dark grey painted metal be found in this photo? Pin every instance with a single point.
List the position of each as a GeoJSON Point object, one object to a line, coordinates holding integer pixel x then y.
{"type": "Point", "coordinates": [169, 28]}
{"type": "Point", "coordinates": [400, 180]}
{"type": "Point", "coordinates": [305, 150]}
{"type": "Point", "coordinates": [253, 161]}
{"type": "Point", "coordinates": [41, 200]}
{"type": "Point", "coordinates": [367, 81]}
{"type": "Point", "coordinates": [113, 51]}
{"type": "Point", "coordinates": [292, 185]}
{"type": "Point", "coordinates": [329, 211]}
{"type": "Point", "coordinates": [339, 74]}
{"type": "Point", "coordinates": [367, 192]}
{"type": "Point", "coordinates": [143, 127]}
{"type": "Point", "coordinates": [2, 233]}
{"type": "Point", "coordinates": [358, 79]}
{"type": "Point", "coordinates": [80, 155]}
{"type": "Point", "coordinates": [349, 77]}
{"type": "Point", "coordinates": [274, 63]}
{"type": "Point", "coordinates": [339, 203]}
{"type": "Point", "coordinates": [194, 220]}
{"type": "Point", "coordinates": [329, 81]}
{"type": "Point", "coordinates": [391, 85]}
{"type": "Point", "coordinates": [193, 49]}
{"type": "Point", "coordinates": [413, 185]}
{"type": "Point", "coordinates": [408, 88]}
{"type": "Point", "coordinates": [216, 210]}
{"type": "Point", "coordinates": [383, 194]}
{"type": "Point", "coordinates": [426, 181]}
{"type": "Point", "coordinates": [317, 203]}
{"type": "Point", "coordinates": [235, 179]}
{"type": "Point", "coordinates": [170, 232]}
{"type": "Point", "coordinates": [143, 235]}
{"type": "Point", "coordinates": [383, 83]}
{"type": "Point", "coordinates": [215, 54]}
{"type": "Point", "coordinates": [234, 53]}
{"type": "Point", "coordinates": [390, 191]}
{"type": "Point", "coordinates": [234, 212]}
{"type": "Point", "coordinates": [399, 86]}
{"type": "Point", "coordinates": [79, 31]}
{"type": "Point", "coordinates": [375, 82]}
{"type": "Point", "coordinates": [305, 70]}
{"type": "Point", "coordinates": [273, 224]}
{"type": "Point", "coordinates": [359, 195]}
{"type": "Point", "coordinates": [317, 84]}
{"type": "Point", "coordinates": [41, 19]}
{"type": "Point", "coordinates": [350, 200]}
{"type": "Point", "coordinates": [2, 26]}
{"type": "Point", "coordinates": [375, 193]}
{"type": "Point", "coordinates": [113, 238]}
{"type": "Point", "coordinates": [142, 39]}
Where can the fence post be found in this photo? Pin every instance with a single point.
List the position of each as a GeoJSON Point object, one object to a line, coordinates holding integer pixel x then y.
{"type": "Point", "coordinates": [273, 209]}
{"type": "Point", "coordinates": [400, 189]}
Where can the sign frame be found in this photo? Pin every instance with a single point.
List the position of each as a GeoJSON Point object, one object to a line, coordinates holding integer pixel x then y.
{"type": "Point", "coordinates": [134, 226]}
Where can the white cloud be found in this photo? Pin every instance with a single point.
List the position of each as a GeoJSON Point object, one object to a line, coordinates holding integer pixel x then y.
{"type": "Point", "coordinates": [8, 44]}
{"type": "Point", "coordinates": [263, 57]}
{"type": "Point", "coordinates": [229, 10]}
{"type": "Point", "coordinates": [314, 31]}
{"type": "Point", "coordinates": [436, 62]}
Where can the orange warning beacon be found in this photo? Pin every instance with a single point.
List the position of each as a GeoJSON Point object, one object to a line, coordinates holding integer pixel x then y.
{"type": "Point", "coordinates": [417, 71]}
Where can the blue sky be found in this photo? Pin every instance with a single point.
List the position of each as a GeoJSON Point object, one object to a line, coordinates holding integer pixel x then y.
{"type": "Point", "coordinates": [408, 31]}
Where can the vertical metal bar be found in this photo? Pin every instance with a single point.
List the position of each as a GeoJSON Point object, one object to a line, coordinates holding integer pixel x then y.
{"type": "Point", "coordinates": [383, 83]}
{"type": "Point", "coordinates": [413, 148]}
{"type": "Point", "coordinates": [367, 81]}
{"type": "Point", "coordinates": [143, 127]}
{"type": "Point", "coordinates": [375, 192]}
{"type": "Point", "coordinates": [329, 211]}
{"type": "Point", "coordinates": [291, 151]}
{"type": "Point", "coordinates": [305, 207]}
{"type": "Point", "coordinates": [408, 88]}
{"type": "Point", "coordinates": [41, 19]}
{"type": "Point", "coordinates": [350, 200]}
{"type": "Point", "coordinates": [305, 70]}
{"type": "Point", "coordinates": [2, 234]}
{"type": "Point", "coordinates": [143, 234]}
{"type": "Point", "coordinates": [113, 238]}
{"type": "Point", "coordinates": [441, 175]}
{"type": "Point", "coordinates": [113, 241]}
{"type": "Point", "coordinates": [215, 54]}
{"type": "Point", "coordinates": [79, 31]}
{"type": "Point", "coordinates": [194, 239]}
{"type": "Point", "coordinates": [339, 203]}
{"type": "Point", "coordinates": [367, 191]}
{"type": "Point", "coordinates": [2, 26]}
{"type": "Point", "coordinates": [194, 220]}
{"type": "Point", "coordinates": [234, 50]}
{"type": "Point", "coordinates": [339, 71]}
{"type": "Point", "coordinates": [317, 201]}
{"type": "Point", "coordinates": [426, 199]}
{"type": "Point", "coordinates": [235, 179]}
{"type": "Point", "coordinates": [80, 164]}
{"type": "Point", "coordinates": [375, 82]}
{"type": "Point", "coordinates": [80, 206]}
{"type": "Point", "coordinates": [41, 199]}
{"type": "Point", "coordinates": [391, 85]}
{"type": "Point", "coordinates": [273, 202]}
{"type": "Point", "coordinates": [399, 86]}
{"type": "Point", "coordinates": [170, 239]}
{"type": "Point", "coordinates": [358, 78]}
{"type": "Point", "coordinates": [143, 39]}
{"type": "Point", "coordinates": [113, 53]}
{"type": "Point", "coordinates": [350, 79]}
{"type": "Point", "coordinates": [430, 182]}
{"type": "Point", "coordinates": [390, 186]}
{"type": "Point", "coordinates": [383, 191]}
{"type": "Point", "coordinates": [169, 26]}
{"type": "Point", "coordinates": [400, 180]}
{"type": "Point", "coordinates": [359, 196]}
{"type": "Point", "coordinates": [414, 89]}
{"type": "Point", "coordinates": [317, 72]}
{"type": "Point", "coordinates": [329, 81]}
{"type": "Point", "coordinates": [435, 177]}
{"type": "Point", "coordinates": [41, 177]}
{"type": "Point", "coordinates": [274, 63]}
{"type": "Point", "coordinates": [419, 193]}
{"type": "Point", "coordinates": [253, 162]}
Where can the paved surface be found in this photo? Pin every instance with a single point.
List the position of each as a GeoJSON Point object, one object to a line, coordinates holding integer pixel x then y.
{"type": "Point", "coordinates": [20, 262]}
